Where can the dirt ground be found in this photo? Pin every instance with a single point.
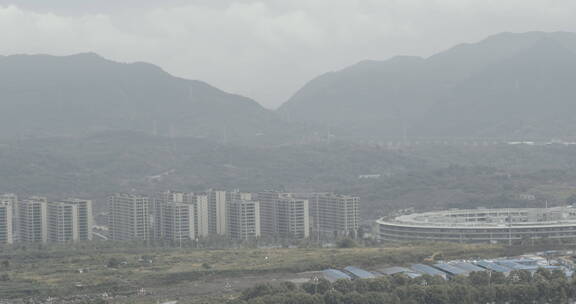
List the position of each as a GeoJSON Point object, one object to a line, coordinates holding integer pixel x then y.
{"type": "Point", "coordinates": [219, 286]}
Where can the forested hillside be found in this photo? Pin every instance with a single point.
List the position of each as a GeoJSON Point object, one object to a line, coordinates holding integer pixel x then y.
{"type": "Point", "coordinates": [424, 176]}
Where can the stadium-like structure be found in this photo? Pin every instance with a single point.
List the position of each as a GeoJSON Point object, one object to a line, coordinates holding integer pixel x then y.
{"type": "Point", "coordinates": [511, 225]}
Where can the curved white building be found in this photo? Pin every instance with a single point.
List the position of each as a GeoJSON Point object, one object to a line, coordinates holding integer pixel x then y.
{"type": "Point", "coordinates": [481, 225]}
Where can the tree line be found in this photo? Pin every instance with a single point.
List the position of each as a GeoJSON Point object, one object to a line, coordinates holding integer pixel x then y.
{"type": "Point", "coordinates": [519, 287]}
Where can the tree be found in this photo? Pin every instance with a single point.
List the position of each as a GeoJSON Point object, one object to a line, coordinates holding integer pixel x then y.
{"type": "Point", "coordinates": [571, 200]}
{"type": "Point", "coordinates": [459, 294]}
{"type": "Point", "coordinates": [113, 262]}
{"type": "Point", "coordinates": [309, 287]}
{"type": "Point", "coordinates": [497, 278]}
{"type": "Point", "coordinates": [399, 279]}
{"type": "Point", "coordinates": [361, 286]}
{"type": "Point", "coordinates": [558, 274]}
{"type": "Point", "coordinates": [257, 291]}
{"type": "Point", "coordinates": [380, 284]}
{"type": "Point", "coordinates": [206, 266]}
{"type": "Point", "coordinates": [479, 278]}
{"type": "Point", "coordinates": [545, 273]}
{"type": "Point", "coordinates": [300, 298]}
{"type": "Point", "coordinates": [370, 298]}
{"type": "Point", "coordinates": [544, 287]}
{"type": "Point", "coordinates": [317, 286]}
{"type": "Point", "coordinates": [557, 291]}
{"type": "Point", "coordinates": [520, 277]}
{"type": "Point", "coordinates": [333, 297]}
{"type": "Point", "coordinates": [436, 295]}
{"type": "Point", "coordinates": [426, 280]}
{"type": "Point", "coordinates": [484, 294]}
{"type": "Point", "coordinates": [522, 293]}
{"type": "Point", "coordinates": [412, 294]}
{"type": "Point", "coordinates": [361, 233]}
{"type": "Point", "coordinates": [347, 243]}
{"type": "Point", "coordinates": [343, 286]}
{"type": "Point", "coordinates": [502, 293]}
{"type": "Point", "coordinates": [323, 285]}
{"type": "Point", "coordinates": [288, 286]}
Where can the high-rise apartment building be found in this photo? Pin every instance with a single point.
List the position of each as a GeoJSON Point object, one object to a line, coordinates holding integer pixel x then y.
{"type": "Point", "coordinates": [282, 215]}
{"type": "Point", "coordinates": [237, 195]}
{"type": "Point", "coordinates": [69, 221]}
{"type": "Point", "coordinates": [156, 215]}
{"type": "Point", "coordinates": [244, 219]}
{"type": "Point", "coordinates": [62, 222]}
{"type": "Point", "coordinates": [201, 211]}
{"type": "Point", "coordinates": [332, 214]}
{"type": "Point", "coordinates": [269, 212]}
{"type": "Point", "coordinates": [32, 218]}
{"type": "Point", "coordinates": [217, 212]}
{"type": "Point", "coordinates": [174, 211]}
{"type": "Point", "coordinates": [85, 218]}
{"type": "Point", "coordinates": [129, 217]}
{"type": "Point", "coordinates": [181, 216]}
{"type": "Point", "coordinates": [6, 228]}
{"type": "Point", "coordinates": [9, 197]}
{"type": "Point", "coordinates": [178, 222]}
{"type": "Point", "coordinates": [293, 218]}
{"type": "Point", "coordinates": [158, 207]}
{"type": "Point", "coordinates": [12, 200]}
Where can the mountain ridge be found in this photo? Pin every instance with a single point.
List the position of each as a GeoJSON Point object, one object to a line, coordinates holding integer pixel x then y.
{"type": "Point", "coordinates": [76, 95]}
{"type": "Point", "coordinates": [403, 95]}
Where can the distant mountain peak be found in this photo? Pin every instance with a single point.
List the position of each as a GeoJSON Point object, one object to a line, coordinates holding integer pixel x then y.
{"type": "Point", "coordinates": [548, 45]}
{"type": "Point", "coordinates": [499, 86]}
{"type": "Point", "coordinates": [395, 59]}
{"type": "Point", "coordinates": [88, 55]}
{"type": "Point", "coordinates": [82, 94]}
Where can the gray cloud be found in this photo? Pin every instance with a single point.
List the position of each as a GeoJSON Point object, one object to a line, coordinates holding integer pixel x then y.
{"type": "Point", "coordinates": [83, 7]}
{"type": "Point", "coordinates": [265, 49]}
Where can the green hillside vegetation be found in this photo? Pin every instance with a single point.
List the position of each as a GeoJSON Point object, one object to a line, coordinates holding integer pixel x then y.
{"type": "Point", "coordinates": [425, 176]}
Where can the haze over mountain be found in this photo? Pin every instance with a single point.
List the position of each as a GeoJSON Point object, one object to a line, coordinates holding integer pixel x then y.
{"type": "Point", "coordinates": [508, 85]}
{"type": "Point", "coordinates": [82, 94]}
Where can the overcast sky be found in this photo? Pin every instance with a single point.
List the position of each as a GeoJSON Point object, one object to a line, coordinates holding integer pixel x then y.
{"type": "Point", "coordinates": [265, 49]}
